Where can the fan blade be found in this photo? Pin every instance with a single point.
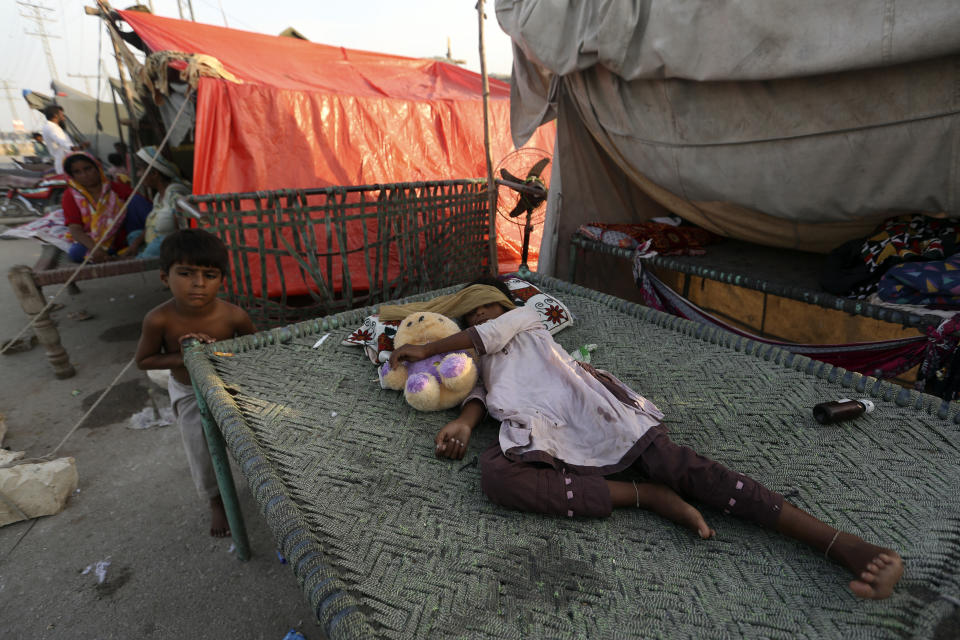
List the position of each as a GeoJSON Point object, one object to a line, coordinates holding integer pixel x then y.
{"type": "Point", "coordinates": [532, 202]}
{"type": "Point", "coordinates": [506, 175]}
{"type": "Point", "coordinates": [537, 168]}
{"type": "Point", "coordinates": [517, 210]}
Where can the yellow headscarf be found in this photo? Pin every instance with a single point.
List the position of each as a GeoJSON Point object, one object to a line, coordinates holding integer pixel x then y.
{"type": "Point", "coordinates": [452, 305]}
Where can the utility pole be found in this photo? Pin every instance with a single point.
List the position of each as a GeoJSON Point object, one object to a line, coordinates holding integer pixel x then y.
{"type": "Point", "coordinates": [188, 5]}
{"type": "Point", "coordinates": [7, 91]}
{"type": "Point", "coordinates": [40, 19]}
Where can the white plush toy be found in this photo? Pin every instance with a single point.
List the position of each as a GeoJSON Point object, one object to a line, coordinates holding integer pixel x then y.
{"type": "Point", "coordinates": [439, 382]}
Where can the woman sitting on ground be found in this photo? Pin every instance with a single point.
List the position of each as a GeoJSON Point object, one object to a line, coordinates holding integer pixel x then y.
{"type": "Point", "coordinates": [94, 212]}
{"type": "Point", "coordinates": [164, 179]}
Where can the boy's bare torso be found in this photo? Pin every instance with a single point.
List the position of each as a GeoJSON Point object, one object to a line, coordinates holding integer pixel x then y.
{"type": "Point", "coordinates": [222, 322]}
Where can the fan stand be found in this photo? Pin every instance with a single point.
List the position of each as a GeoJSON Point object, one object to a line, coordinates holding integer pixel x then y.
{"type": "Point", "coordinates": [524, 270]}
{"type": "Point", "coordinates": [536, 190]}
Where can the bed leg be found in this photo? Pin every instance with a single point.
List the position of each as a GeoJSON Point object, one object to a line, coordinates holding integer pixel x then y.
{"type": "Point", "coordinates": [228, 491]}
{"type": "Point", "coordinates": [31, 299]}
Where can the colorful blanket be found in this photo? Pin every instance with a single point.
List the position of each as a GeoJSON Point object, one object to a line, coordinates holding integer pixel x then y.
{"type": "Point", "coordinates": [933, 283]}
{"type": "Point", "coordinates": [907, 238]}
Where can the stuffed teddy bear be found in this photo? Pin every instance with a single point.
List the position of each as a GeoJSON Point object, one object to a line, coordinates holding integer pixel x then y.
{"type": "Point", "coordinates": [439, 382]}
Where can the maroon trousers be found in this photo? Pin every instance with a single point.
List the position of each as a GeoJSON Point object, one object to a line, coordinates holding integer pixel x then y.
{"type": "Point", "coordinates": [544, 488]}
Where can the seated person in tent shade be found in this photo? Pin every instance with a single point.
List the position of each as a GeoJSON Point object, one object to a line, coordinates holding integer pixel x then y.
{"type": "Point", "coordinates": [565, 426]}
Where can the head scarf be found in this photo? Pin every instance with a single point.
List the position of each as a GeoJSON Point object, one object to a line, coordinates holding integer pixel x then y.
{"type": "Point", "coordinates": [102, 212]}
{"type": "Point", "coordinates": [452, 305]}
{"type": "Point", "coordinates": [160, 164]}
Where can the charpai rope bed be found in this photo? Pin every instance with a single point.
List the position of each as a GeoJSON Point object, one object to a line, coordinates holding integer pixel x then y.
{"type": "Point", "coordinates": [28, 286]}
{"type": "Point", "coordinates": [389, 542]}
{"type": "Point", "coordinates": [781, 272]}
{"type": "Point", "coordinates": [335, 248]}
{"type": "Point", "coordinates": [794, 275]}
{"type": "Point", "coordinates": [324, 250]}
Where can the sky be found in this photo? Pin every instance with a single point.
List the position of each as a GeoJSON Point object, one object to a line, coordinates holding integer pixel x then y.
{"type": "Point", "coordinates": [416, 28]}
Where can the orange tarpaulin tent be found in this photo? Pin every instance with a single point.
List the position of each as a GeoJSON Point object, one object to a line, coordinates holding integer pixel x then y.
{"type": "Point", "coordinates": [303, 114]}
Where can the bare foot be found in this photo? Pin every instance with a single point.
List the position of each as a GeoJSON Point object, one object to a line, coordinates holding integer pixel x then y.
{"type": "Point", "coordinates": [877, 570]}
{"type": "Point", "coordinates": [219, 527]}
{"type": "Point", "coordinates": [665, 502]}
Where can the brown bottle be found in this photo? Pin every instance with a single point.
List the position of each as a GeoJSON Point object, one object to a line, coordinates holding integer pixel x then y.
{"type": "Point", "coordinates": [840, 410]}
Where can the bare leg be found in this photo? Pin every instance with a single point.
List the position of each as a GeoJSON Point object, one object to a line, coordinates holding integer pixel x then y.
{"type": "Point", "coordinates": [876, 570]}
{"type": "Point", "coordinates": [219, 528]}
{"type": "Point", "coordinates": [661, 500]}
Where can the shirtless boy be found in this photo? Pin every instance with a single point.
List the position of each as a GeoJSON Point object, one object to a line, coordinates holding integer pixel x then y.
{"type": "Point", "coordinates": [193, 264]}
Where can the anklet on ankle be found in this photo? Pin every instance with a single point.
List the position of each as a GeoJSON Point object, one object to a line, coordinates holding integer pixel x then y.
{"type": "Point", "coordinates": [826, 554]}
{"type": "Point", "coordinates": [637, 491]}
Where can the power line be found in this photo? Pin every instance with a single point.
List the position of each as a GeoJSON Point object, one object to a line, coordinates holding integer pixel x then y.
{"type": "Point", "coordinates": [219, 6]}
{"type": "Point", "coordinates": [40, 20]}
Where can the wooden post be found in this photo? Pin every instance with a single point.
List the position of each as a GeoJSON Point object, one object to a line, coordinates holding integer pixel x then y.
{"type": "Point", "coordinates": [134, 140]}
{"type": "Point", "coordinates": [491, 183]}
{"type": "Point", "coordinates": [31, 299]}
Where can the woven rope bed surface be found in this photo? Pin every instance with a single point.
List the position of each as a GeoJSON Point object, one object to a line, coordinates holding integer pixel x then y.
{"type": "Point", "coordinates": [387, 541]}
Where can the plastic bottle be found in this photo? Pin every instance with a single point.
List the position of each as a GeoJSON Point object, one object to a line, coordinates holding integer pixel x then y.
{"type": "Point", "coordinates": [840, 410]}
{"type": "Point", "coordinates": [293, 634]}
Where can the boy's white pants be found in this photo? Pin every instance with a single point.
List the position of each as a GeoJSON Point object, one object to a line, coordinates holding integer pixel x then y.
{"type": "Point", "coordinates": [185, 408]}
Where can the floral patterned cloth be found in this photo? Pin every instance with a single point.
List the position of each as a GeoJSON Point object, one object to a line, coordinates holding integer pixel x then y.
{"type": "Point", "coordinates": [101, 211]}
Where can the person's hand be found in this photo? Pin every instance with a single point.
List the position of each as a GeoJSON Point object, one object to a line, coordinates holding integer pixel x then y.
{"type": "Point", "coordinates": [451, 441]}
{"type": "Point", "coordinates": [99, 256]}
{"type": "Point", "coordinates": [202, 337]}
{"type": "Point", "coordinates": [408, 353]}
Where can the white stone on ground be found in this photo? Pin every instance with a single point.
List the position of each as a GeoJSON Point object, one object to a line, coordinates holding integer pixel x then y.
{"type": "Point", "coordinates": [37, 489]}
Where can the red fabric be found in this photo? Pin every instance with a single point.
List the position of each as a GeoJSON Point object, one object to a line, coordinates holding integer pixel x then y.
{"type": "Point", "coordinates": [313, 115]}
{"type": "Point", "coordinates": [71, 214]}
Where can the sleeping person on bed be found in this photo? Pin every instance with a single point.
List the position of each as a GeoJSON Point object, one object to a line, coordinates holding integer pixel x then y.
{"type": "Point", "coordinates": [565, 427]}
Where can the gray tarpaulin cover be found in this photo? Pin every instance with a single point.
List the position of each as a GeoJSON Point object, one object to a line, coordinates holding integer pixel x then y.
{"type": "Point", "coordinates": [795, 124]}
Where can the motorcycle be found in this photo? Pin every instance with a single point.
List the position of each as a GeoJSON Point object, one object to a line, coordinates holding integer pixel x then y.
{"type": "Point", "coordinates": [38, 200]}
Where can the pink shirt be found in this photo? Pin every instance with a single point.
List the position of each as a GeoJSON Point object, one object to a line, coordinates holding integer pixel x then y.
{"type": "Point", "coordinates": [546, 402]}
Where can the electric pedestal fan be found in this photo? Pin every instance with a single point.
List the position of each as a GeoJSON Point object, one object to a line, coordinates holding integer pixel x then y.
{"type": "Point", "coordinates": [523, 178]}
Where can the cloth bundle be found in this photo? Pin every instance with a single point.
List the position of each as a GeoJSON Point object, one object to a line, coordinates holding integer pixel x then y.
{"type": "Point", "coordinates": [452, 305]}
{"type": "Point", "coordinates": [934, 283]}
{"type": "Point", "coordinates": [856, 267]}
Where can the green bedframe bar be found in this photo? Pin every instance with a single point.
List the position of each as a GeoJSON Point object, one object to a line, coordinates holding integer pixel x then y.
{"type": "Point", "coordinates": [389, 542]}
{"type": "Point", "coordinates": [338, 248]}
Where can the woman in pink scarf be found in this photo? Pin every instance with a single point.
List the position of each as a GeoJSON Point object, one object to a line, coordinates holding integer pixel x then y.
{"type": "Point", "coordinates": [93, 209]}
